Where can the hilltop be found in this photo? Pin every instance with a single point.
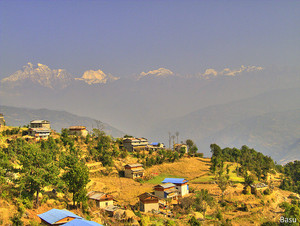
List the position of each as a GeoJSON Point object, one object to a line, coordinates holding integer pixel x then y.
{"type": "Point", "coordinates": [105, 174]}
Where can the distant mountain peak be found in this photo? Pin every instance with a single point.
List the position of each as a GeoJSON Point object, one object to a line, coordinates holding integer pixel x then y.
{"type": "Point", "coordinates": [211, 73]}
{"type": "Point", "coordinates": [95, 77]}
{"type": "Point", "coordinates": [158, 73]}
{"type": "Point", "coordinates": [40, 74]}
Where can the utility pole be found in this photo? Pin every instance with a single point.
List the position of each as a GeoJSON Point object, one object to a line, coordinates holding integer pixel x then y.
{"type": "Point", "coordinates": [169, 140]}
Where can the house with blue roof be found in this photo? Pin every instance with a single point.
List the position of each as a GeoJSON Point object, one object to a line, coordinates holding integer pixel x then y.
{"type": "Point", "coordinates": [155, 146]}
{"type": "Point", "coordinates": [82, 222]}
{"type": "Point", "coordinates": [58, 217]}
{"type": "Point", "coordinates": [180, 183]}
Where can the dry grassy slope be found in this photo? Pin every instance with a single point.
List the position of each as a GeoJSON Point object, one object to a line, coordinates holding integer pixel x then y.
{"type": "Point", "coordinates": [260, 210]}
{"type": "Point", "coordinates": [189, 168]}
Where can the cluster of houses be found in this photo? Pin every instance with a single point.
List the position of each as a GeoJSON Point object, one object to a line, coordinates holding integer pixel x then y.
{"type": "Point", "coordinates": [41, 129]}
{"type": "Point", "coordinates": [166, 193]}
{"type": "Point", "coordinates": [137, 144]}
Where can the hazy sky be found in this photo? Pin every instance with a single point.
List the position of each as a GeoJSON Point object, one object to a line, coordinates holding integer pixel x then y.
{"type": "Point", "coordinates": [128, 37]}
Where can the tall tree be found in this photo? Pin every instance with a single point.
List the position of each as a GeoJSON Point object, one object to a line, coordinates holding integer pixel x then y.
{"type": "Point", "coordinates": [222, 180]}
{"type": "Point", "coordinates": [76, 178]}
{"type": "Point", "coordinates": [203, 200]}
{"type": "Point", "coordinates": [189, 143]}
{"type": "Point", "coordinates": [39, 168]}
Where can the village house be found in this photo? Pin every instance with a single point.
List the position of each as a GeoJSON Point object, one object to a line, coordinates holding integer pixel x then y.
{"type": "Point", "coordinates": [2, 120]}
{"type": "Point", "coordinates": [155, 146]}
{"type": "Point", "coordinates": [148, 202]}
{"type": "Point", "coordinates": [181, 185]}
{"type": "Point", "coordinates": [102, 200]}
{"type": "Point", "coordinates": [39, 129]}
{"type": "Point", "coordinates": [132, 143]}
{"type": "Point", "coordinates": [78, 131]}
{"type": "Point", "coordinates": [134, 170]}
{"type": "Point", "coordinates": [166, 191]}
{"type": "Point", "coordinates": [178, 147]}
{"type": "Point", "coordinates": [57, 217]}
{"type": "Point", "coordinates": [40, 124]}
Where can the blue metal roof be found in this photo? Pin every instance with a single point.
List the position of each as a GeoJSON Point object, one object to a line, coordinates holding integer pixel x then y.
{"type": "Point", "coordinates": [55, 215]}
{"type": "Point", "coordinates": [175, 180]}
{"type": "Point", "coordinates": [82, 222]}
{"type": "Point", "coordinates": [154, 143]}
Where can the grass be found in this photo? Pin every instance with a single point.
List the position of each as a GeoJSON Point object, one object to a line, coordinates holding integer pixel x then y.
{"type": "Point", "coordinates": [158, 179]}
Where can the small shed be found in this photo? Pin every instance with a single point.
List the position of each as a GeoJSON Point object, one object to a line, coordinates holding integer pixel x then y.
{"type": "Point", "coordinates": [102, 200]}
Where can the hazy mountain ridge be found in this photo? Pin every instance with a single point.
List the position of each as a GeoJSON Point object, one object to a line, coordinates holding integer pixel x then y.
{"type": "Point", "coordinates": [238, 123]}
{"type": "Point", "coordinates": [59, 119]}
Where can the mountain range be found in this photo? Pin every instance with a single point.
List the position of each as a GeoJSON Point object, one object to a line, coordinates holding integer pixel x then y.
{"type": "Point", "coordinates": [204, 106]}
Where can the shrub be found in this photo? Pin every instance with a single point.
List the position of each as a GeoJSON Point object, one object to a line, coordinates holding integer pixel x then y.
{"type": "Point", "coordinates": [219, 215]}
{"type": "Point", "coordinates": [267, 191]}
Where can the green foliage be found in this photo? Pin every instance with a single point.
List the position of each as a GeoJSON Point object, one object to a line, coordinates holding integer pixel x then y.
{"type": "Point", "coordinates": [291, 211]}
{"type": "Point", "coordinates": [249, 159]}
{"type": "Point", "coordinates": [76, 177]}
{"type": "Point", "coordinates": [267, 191]}
{"type": "Point", "coordinates": [291, 181]}
{"type": "Point", "coordinates": [194, 222]}
{"type": "Point", "coordinates": [203, 200]}
{"type": "Point", "coordinates": [39, 168]}
{"type": "Point", "coordinates": [189, 143]}
{"type": "Point", "coordinates": [16, 220]}
{"type": "Point", "coordinates": [66, 139]}
{"type": "Point", "coordinates": [192, 150]}
{"type": "Point", "coordinates": [12, 131]}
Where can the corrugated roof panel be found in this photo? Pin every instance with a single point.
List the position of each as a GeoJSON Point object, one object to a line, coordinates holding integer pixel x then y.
{"type": "Point", "coordinates": [154, 143]}
{"type": "Point", "coordinates": [82, 222]}
{"type": "Point", "coordinates": [55, 215]}
{"type": "Point", "coordinates": [175, 180]}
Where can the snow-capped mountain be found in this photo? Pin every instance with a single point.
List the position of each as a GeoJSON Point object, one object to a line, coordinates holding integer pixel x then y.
{"type": "Point", "coordinates": [95, 77]}
{"type": "Point", "coordinates": [41, 75]}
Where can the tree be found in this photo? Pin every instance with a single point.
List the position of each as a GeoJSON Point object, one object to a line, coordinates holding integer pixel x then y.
{"type": "Point", "coordinates": [38, 169]}
{"type": "Point", "coordinates": [222, 181]}
{"type": "Point", "coordinates": [193, 150]}
{"type": "Point", "coordinates": [189, 143]}
{"type": "Point", "coordinates": [76, 178]}
{"type": "Point", "coordinates": [203, 200]}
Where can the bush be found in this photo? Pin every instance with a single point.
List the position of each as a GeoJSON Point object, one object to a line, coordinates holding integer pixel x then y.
{"type": "Point", "coordinates": [267, 191]}
{"type": "Point", "coordinates": [200, 155]}
{"type": "Point", "coordinates": [194, 222]}
{"type": "Point", "coordinates": [219, 215]}
{"type": "Point", "coordinates": [16, 220]}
